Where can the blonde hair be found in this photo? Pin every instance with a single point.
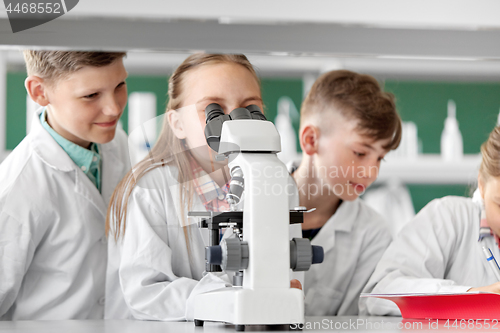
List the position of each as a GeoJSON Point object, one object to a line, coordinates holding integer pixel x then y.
{"type": "Point", "coordinates": [55, 65]}
{"type": "Point", "coordinates": [168, 150]}
{"type": "Point", "coordinates": [490, 151]}
{"type": "Point", "coordinates": [357, 97]}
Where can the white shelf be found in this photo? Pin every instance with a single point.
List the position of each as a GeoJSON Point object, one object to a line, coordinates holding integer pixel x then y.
{"type": "Point", "coordinates": [431, 169]}
{"type": "Point", "coordinates": [426, 169]}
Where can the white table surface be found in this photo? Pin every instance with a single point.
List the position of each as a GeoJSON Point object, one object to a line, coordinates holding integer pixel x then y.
{"type": "Point", "coordinates": [312, 324]}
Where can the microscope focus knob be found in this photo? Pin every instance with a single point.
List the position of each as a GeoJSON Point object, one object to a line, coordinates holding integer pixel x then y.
{"type": "Point", "coordinates": [303, 254]}
{"type": "Point", "coordinates": [234, 254]}
{"type": "Point", "coordinates": [318, 255]}
{"type": "Point", "coordinates": [213, 254]}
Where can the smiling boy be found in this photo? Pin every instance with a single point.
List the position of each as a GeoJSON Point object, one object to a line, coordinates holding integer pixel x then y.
{"type": "Point", "coordinates": [347, 126]}
{"type": "Point", "coordinates": [56, 184]}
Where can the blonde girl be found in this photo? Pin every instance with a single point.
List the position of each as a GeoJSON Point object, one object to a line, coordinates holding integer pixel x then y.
{"type": "Point", "coordinates": [441, 250]}
{"type": "Point", "coordinates": [156, 256]}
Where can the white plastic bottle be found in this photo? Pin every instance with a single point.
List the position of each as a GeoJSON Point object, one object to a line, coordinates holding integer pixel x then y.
{"type": "Point", "coordinates": [283, 121]}
{"type": "Point", "coordinates": [451, 138]}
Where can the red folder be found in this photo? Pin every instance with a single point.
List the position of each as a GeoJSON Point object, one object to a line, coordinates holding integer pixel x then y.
{"type": "Point", "coordinates": [445, 306]}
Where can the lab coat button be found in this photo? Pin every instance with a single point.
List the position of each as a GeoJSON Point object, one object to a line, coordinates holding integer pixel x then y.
{"type": "Point", "coordinates": [221, 196]}
{"type": "Point", "coordinates": [84, 168]}
{"type": "Point", "coordinates": [94, 158]}
{"type": "Point", "coordinates": [102, 300]}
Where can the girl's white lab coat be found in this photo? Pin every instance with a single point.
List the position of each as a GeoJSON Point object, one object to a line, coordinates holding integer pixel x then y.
{"type": "Point", "coordinates": [436, 252]}
{"type": "Point", "coordinates": [52, 242]}
{"type": "Point", "coordinates": [152, 273]}
{"type": "Point", "coordinates": [353, 240]}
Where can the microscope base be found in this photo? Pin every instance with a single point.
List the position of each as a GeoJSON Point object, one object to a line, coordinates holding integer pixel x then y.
{"type": "Point", "coordinates": [240, 306]}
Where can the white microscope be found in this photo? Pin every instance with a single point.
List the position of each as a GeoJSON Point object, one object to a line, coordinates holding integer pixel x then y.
{"type": "Point", "coordinates": [260, 252]}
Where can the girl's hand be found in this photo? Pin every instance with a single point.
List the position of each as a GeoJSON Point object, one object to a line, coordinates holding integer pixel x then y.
{"type": "Point", "coordinates": [492, 288]}
{"type": "Point", "coordinates": [295, 284]}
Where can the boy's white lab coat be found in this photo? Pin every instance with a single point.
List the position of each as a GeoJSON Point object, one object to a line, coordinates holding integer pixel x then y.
{"type": "Point", "coordinates": [52, 244]}
{"type": "Point", "coordinates": [151, 273]}
{"type": "Point", "coordinates": [353, 240]}
{"type": "Point", "coordinates": [436, 252]}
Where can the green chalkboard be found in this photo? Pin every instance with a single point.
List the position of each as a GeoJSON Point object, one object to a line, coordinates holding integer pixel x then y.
{"type": "Point", "coordinates": [16, 109]}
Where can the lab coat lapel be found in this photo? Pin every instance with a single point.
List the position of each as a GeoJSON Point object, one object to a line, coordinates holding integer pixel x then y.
{"type": "Point", "coordinates": [85, 188]}
{"type": "Point", "coordinates": [53, 155]}
{"type": "Point", "coordinates": [341, 221]}
{"type": "Point", "coordinates": [111, 173]}
{"type": "Point", "coordinates": [47, 148]}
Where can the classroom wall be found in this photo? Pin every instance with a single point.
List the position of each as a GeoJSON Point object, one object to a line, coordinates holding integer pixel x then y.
{"type": "Point", "coordinates": [424, 103]}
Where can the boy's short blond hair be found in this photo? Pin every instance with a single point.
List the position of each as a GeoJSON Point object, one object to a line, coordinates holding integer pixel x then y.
{"type": "Point", "coordinates": [55, 65]}
{"type": "Point", "coordinates": [357, 97]}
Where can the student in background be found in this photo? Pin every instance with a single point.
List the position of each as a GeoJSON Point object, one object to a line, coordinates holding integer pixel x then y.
{"type": "Point", "coordinates": [441, 250]}
{"type": "Point", "coordinates": [347, 126]}
{"type": "Point", "coordinates": [56, 184]}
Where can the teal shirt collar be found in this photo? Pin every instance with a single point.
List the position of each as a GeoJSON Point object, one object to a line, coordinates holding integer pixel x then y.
{"type": "Point", "coordinates": [88, 160]}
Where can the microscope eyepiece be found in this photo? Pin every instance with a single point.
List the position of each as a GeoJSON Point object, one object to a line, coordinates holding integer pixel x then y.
{"type": "Point", "coordinates": [215, 117]}
{"type": "Point", "coordinates": [256, 112]}
{"type": "Point", "coordinates": [240, 113]}
{"type": "Point", "coordinates": [212, 111]}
